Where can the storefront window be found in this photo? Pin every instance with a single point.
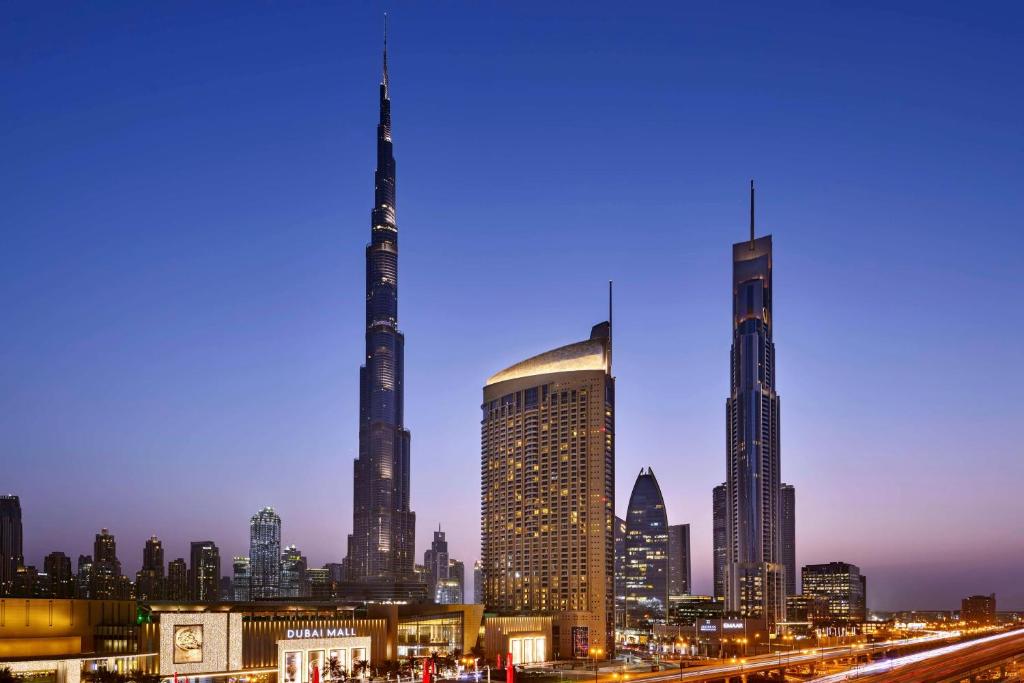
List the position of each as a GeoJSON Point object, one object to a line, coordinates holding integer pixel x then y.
{"type": "Point", "coordinates": [337, 664]}
{"type": "Point", "coordinates": [292, 667]}
{"type": "Point", "coordinates": [314, 661]}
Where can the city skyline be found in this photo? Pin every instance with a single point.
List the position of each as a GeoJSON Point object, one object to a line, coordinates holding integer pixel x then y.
{"type": "Point", "coordinates": [251, 313]}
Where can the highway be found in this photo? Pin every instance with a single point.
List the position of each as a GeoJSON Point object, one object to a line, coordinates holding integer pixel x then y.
{"type": "Point", "coordinates": [941, 664]}
{"type": "Point", "coordinates": [773, 662]}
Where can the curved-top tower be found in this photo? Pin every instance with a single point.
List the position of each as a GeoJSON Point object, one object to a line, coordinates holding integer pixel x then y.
{"type": "Point", "coordinates": [547, 471]}
{"type": "Point", "coordinates": [382, 542]}
{"type": "Point", "coordinates": [646, 551]}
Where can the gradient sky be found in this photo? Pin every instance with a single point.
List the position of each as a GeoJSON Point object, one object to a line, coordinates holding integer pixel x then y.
{"type": "Point", "coordinates": [186, 194]}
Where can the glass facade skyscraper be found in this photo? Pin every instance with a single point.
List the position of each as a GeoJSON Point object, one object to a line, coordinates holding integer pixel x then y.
{"type": "Point", "coordinates": [720, 538]}
{"type": "Point", "coordinates": [754, 575]}
{"type": "Point", "coordinates": [382, 543]}
{"type": "Point", "coordinates": [11, 551]}
{"type": "Point", "coordinates": [788, 535]}
{"type": "Point", "coordinates": [265, 554]}
{"type": "Point", "coordinates": [646, 552]}
{"type": "Point", "coordinates": [679, 579]}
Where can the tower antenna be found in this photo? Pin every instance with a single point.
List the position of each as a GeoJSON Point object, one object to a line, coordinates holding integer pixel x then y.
{"type": "Point", "coordinates": [751, 214]}
{"type": "Point", "coordinates": [385, 78]}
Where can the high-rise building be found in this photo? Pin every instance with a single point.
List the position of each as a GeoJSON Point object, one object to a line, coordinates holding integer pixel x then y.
{"type": "Point", "coordinates": [177, 579]}
{"type": "Point", "coordinates": [241, 579]}
{"type": "Point", "coordinates": [720, 538]}
{"type": "Point", "coordinates": [435, 560]}
{"type": "Point", "coordinates": [679, 560]}
{"type": "Point", "coordinates": [204, 572]}
{"type": "Point", "coordinates": [787, 532]}
{"type": "Point", "coordinates": [456, 592]}
{"type": "Point", "coordinates": [265, 554]}
{"type": "Point", "coordinates": [29, 584]}
{"type": "Point", "coordinates": [478, 583]}
{"type": "Point", "coordinates": [83, 583]}
{"type": "Point", "coordinates": [293, 573]}
{"type": "Point", "coordinates": [841, 584]}
{"type": "Point", "coordinates": [149, 581]}
{"type": "Point", "coordinates": [548, 490]}
{"type": "Point", "coordinates": [11, 551]}
{"type": "Point", "coordinates": [383, 540]}
{"type": "Point", "coordinates": [619, 541]}
{"type": "Point", "coordinates": [646, 552]}
{"type": "Point", "coordinates": [319, 582]}
{"type": "Point", "coordinates": [106, 569]}
{"type": "Point", "coordinates": [754, 575]}
{"type": "Point", "coordinates": [979, 610]}
{"type": "Point", "coordinates": [57, 567]}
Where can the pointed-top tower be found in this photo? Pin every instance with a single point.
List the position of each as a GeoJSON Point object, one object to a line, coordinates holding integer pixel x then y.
{"type": "Point", "coordinates": [382, 543]}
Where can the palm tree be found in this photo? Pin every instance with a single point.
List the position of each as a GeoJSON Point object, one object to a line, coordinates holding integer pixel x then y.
{"type": "Point", "coordinates": [361, 667]}
{"type": "Point", "coordinates": [5, 675]}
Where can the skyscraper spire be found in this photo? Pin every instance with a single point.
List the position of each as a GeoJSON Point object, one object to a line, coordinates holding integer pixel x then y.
{"type": "Point", "coordinates": [384, 77]}
{"type": "Point", "coordinates": [751, 214]}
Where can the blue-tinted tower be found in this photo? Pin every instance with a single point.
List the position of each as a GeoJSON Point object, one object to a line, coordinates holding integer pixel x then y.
{"type": "Point", "coordinates": [381, 546]}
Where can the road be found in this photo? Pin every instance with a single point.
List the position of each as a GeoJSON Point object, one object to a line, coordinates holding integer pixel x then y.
{"type": "Point", "coordinates": [940, 664]}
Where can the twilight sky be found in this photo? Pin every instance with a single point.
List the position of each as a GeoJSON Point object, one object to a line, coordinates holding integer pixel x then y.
{"type": "Point", "coordinates": [186, 194]}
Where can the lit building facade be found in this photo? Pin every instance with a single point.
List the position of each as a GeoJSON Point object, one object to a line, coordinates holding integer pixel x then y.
{"type": "Point", "coordinates": [478, 583]}
{"type": "Point", "coordinates": [11, 546]}
{"type": "Point", "coordinates": [842, 585]}
{"type": "Point", "coordinates": [177, 580]}
{"type": "Point", "coordinates": [106, 581]}
{"type": "Point", "coordinates": [435, 561]}
{"type": "Point", "coordinates": [646, 552]}
{"type": "Point", "coordinates": [679, 577]}
{"type": "Point", "coordinates": [754, 578]}
{"type": "Point", "coordinates": [548, 491]}
{"type": "Point", "coordinates": [57, 566]}
{"type": "Point", "coordinates": [382, 544]}
{"type": "Point", "coordinates": [720, 538]}
{"type": "Point", "coordinates": [293, 573]}
{"type": "Point", "coordinates": [787, 531]}
{"type": "Point", "coordinates": [619, 541]}
{"type": "Point", "coordinates": [265, 554]}
{"type": "Point", "coordinates": [149, 581]}
{"type": "Point", "coordinates": [978, 610]}
{"type": "Point", "coordinates": [204, 572]}
{"type": "Point", "coordinates": [241, 579]}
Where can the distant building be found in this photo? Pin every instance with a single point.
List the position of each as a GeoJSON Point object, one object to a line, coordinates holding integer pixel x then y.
{"type": "Point", "coordinates": [293, 573]}
{"type": "Point", "coordinates": [720, 538]}
{"type": "Point", "coordinates": [457, 573]}
{"type": "Point", "coordinates": [679, 560]}
{"type": "Point", "coordinates": [105, 579]}
{"type": "Point", "coordinates": [57, 567]}
{"type": "Point", "coordinates": [448, 592]}
{"type": "Point", "coordinates": [12, 553]}
{"type": "Point", "coordinates": [647, 547]}
{"type": "Point", "coordinates": [978, 609]}
{"type": "Point", "coordinates": [265, 554]}
{"type": "Point", "coordinates": [787, 536]}
{"type": "Point", "coordinates": [83, 583]}
{"type": "Point", "coordinates": [204, 572]}
{"type": "Point", "coordinates": [241, 579]}
{"type": "Point", "coordinates": [226, 589]}
{"type": "Point", "coordinates": [810, 609]}
{"type": "Point", "coordinates": [28, 583]}
{"type": "Point", "coordinates": [320, 585]}
{"type": "Point", "coordinates": [478, 583]}
{"type": "Point", "coordinates": [619, 540]}
{"type": "Point", "coordinates": [435, 561]}
{"type": "Point", "coordinates": [149, 581]}
{"type": "Point", "coordinates": [686, 610]}
{"type": "Point", "coordinates": [177, 580]}
{"type": "Point", "coordinates": [547, 465]}
{"type": "Point", "coordinates": [842, 585]}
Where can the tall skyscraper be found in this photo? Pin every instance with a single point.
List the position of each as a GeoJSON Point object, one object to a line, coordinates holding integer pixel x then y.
{"type": "Point", "coordinates": [679, 560]}
{"type": "Point", "coordinates": [646, 552]}
{"type": "Point", "coordinates": [204, 572]}
{"type": "Point", "coordinates": [149, 581]}
{"type": "Point", "coordinates": [57, 567]}
{"type": "Point", "coordinates": [787, 498]}
{"type": "Point", "coordinates": [11, 552]}
{"type": "Point", "coordinates": [106, 569]}
{"type": "Point", "coordinates": [383, 540]}
{"type": "Point", "coordinates": [177, 580]}
{"type": "Point", "coordinates": [754, 574]}
{"type": "Point", "coordinates": [265, 554]}
{"type": "Point", "coordinates": [720, 537]}
{"type": "Point", "coordinates": [241, 579]}
{"type": "Point", "coordinates": [435, 561]}
{"type": "Point", "coordinates": [293, 573]}
{"type": "Point", "coordinates": [548, 490]}
{"type": "Point", "coordinates": [841, 584]}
